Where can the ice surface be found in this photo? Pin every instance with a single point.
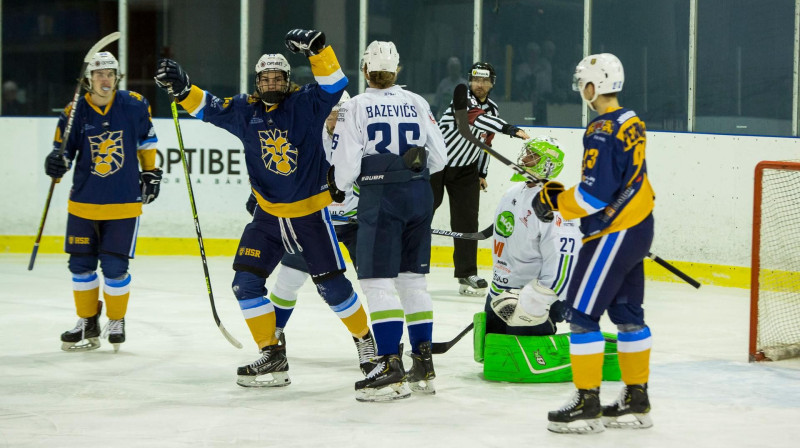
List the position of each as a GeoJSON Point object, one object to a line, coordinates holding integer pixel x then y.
{"type": "Point", "coordinates": [173, 382]}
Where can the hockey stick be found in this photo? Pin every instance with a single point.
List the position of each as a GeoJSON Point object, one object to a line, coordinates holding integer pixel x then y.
{"type": "Point", "coordinates": [228, 336]}
{"type": "Point", "coordinates": [67, 131]}
{"type": "Point", "coordinates": [438, 348]}
{"type": "Point", "coordinates": [462, 123]}
{"type": "Point", "coordinates": [482, 235]}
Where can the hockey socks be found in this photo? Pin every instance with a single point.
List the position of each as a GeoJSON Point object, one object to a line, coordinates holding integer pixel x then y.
{"type": "Point", "coordinates": [284, 293]}
{"type": "Point", "coordinates": [586, 354]}
{"type": "Point", "coordinates": [86, 291]}
{"type": "Point", "coordinates": [259, 314]}
{"type": "Point", "coordinates": [417, 306]}
{"type": "Point", "coordinates": [633, 349]}
{"type": "Point", "coordinates": [116, 293]}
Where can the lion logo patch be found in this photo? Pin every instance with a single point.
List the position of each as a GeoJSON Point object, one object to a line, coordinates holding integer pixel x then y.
{"type": "Point", "coordinates": [107, 153]}
{"type": "Point", "coordinates": [278, 154]}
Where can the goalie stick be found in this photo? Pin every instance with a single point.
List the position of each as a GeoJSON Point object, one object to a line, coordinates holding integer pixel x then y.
{"type": "Point", "coordinates": [228, 336]}
{"type": "Point", "coordinates": [67, 131]}
{"type": "Point", "coordinates": [482, 235]}
{"type": "Point", "coordinates": [462, 123]}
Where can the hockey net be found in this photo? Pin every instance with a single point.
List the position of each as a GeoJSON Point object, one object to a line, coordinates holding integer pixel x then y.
{"type": "Point", "coordinates": [775, 265]}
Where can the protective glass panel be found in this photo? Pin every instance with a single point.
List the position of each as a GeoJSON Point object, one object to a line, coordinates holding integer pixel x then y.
{"type": "Point", "coordinates": [534, 45]}
{"type": "Point", "coordinates": [651, 39]}
{"type": "Point", "coordinates": [744, 66]}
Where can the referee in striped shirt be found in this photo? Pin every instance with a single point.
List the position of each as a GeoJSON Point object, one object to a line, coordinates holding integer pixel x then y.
{"type": "Point", "coordinates": [464, 176]}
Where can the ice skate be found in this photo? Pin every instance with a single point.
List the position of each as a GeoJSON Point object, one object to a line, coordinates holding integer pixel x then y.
{"type": "Point", "coordinates": [272, 362]}
{"type": "Point", "coordinates": [472, 286]}
{"type": "Point", "coordinates": [87, 329]}
{"type": "Point", "coordinates": [366, 352]}
{"type": "Point", "coordinates": [115, 330]}
{"type": "Point", "coordinates": [631, 410]}
{"type": "Point", "coordinates": [581, 415]}
{"type": "Point", "coordinates": [386, 382]}
{"type": "Point", "coordinates": [420, 377]}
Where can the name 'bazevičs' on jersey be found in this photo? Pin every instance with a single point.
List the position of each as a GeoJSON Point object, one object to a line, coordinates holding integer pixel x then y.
{"type": "Point", "coordinates": [391, 110]}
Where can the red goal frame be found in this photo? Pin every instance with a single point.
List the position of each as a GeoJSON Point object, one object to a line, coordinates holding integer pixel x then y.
{"type": "Point", "coordinates": [754, 353]}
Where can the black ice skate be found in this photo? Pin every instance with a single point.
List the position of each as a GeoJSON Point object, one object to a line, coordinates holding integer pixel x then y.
{"type": "Point", "coordinates": [385, 382]}
{"type": "Point", "coordinates": [366, 352]}
{"type": "Point", "coordinates": [115, 331]}
{"type": "Point", "coordinates": [87, 329]}
{"type": "Point", "coordinates": [581, 415]}
{"type": "Point", "coordinates": [420, 377]}
{"type": "Point", "coordinates": [273, 363]}
{"type": "Point", "coordinates": [631, 410]}
{"type": "Point", "coordinates": [472, 286]}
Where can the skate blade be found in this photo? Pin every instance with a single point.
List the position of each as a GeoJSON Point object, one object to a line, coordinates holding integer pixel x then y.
{"type": "Point", "coordinates": [116, 347]}
{"type": "Point", "coordinates": [588, 426]}
{"type": "Point", "coordinates": [422, 387]}
{"type": "Point", "coordinates": [628, 421]}
{"type": "Point", "coordinates": [89, 344]}
{"type": "Point", "coordinates": [390, 392]}
{"type": "Point", "coordinates": [275, 379]}
{"type": "Point", "coordinates": [470, 291]}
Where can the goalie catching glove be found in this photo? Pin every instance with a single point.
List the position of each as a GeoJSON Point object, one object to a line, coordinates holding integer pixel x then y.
{"type": "Point", "coordinates": [524, 307]}
{"type": "Point", "coordinates": [150, 181]}
{"type": "Point", "coordinates": [546, 201]}
{"type": "Point", "coordinates": [309, 42]}
{"type": "Point", "coordinates": [171, 77]}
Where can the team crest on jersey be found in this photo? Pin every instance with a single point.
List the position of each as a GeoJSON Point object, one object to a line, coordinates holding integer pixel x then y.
{"type": "Point", "coordinates": [278, 154]}
{"type": "Point", "coordinates": [107, 154]}
{"type": "Point", "coordinates": [600, 127]}
{"type": "Point", "coordinates": [505, 224]}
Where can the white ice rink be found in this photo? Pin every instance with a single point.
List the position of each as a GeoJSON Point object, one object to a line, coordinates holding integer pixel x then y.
{"type": "Point", "coordinates": [172, 384]}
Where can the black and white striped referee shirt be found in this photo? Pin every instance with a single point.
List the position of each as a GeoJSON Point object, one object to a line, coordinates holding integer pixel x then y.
{"type": "Point", "coordinates": [483, 125]}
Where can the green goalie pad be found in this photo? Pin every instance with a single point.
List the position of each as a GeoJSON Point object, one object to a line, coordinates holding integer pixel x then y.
{"type": "Point", "coordinates": [532, 359]}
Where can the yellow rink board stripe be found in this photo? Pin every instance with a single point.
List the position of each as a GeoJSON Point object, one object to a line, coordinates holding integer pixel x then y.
{"type": "Point", "coordinates": [707, 274]}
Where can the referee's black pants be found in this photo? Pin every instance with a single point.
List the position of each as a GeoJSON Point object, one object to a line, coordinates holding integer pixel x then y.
{"type": "Point", "coordinates": [463, 190]}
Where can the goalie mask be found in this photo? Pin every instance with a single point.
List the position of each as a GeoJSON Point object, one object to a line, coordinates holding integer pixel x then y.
{"type": "Point", "coordinates": [103, 60]}
{"type": "Point", "coordinates": [274, 73]}
{"type": "Point", "coordinates": [603, 70]}
{"type": "Point", "coordinates": [541, 157]}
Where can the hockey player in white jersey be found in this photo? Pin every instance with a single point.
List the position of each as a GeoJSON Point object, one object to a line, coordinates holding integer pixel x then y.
{"type": "Point", "coordinates": [388, 140]}
{"type": "Point", "coordinates": [532, 259]}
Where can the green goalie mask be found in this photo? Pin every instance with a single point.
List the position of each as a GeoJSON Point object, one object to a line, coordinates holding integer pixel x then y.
{"type": "Point", "coordinates": [541, 157]}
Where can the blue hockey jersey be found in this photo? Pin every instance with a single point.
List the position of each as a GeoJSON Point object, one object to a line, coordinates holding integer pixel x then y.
{"type": "Point", "coordinates": [105, 145]}
{"type": "Point", "coordinates": [614, 193]}
{"type": "Point", "coordinates": [283, 147]}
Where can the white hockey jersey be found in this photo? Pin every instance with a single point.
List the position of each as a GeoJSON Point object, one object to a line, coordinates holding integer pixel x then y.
{"type": "Point", "coordinates": [381, 121]}
{"type": "Point", "coordinates": [349, 207]}
{"type": "Point", "coordinates": [526, 249]}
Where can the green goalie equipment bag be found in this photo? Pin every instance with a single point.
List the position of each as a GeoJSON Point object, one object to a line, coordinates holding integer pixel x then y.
{"type": "Point", "coordinates": [533, 359]}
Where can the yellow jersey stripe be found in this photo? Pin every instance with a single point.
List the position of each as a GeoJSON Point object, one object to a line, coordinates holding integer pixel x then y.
{"type": "Point", "coordinates": [195, 101]}
{"type": "Point", "coordinates": [105, 211]}
{"type": "Point", "coordinates": [295, 209]}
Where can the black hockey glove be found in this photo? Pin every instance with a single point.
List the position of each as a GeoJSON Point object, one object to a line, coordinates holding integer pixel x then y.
{"type": "Point", "coordinates": [336, 194]}
{"type": "Point", "coordinates": [171, 77]}
{"type": "Point", "coordinates": [251, 204]}
{"type": "Point", "coordinates": [309, 42]}
{"type": "Point", "coordinates": [150, 181]}
{"type": "Point", "coordinates": [510, 129]}
{"type": "Point", "coordinates": [547, 201]}
{"type": "Point", "coordinates": [56, 165]}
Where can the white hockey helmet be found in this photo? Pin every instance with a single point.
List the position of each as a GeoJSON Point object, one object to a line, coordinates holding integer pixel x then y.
{"type": "Point", "coordinates": [102, 61]}
{"type": "Point", "coordinates": [345, 98]}
{"type": "Point", "coordinates": [603, 70]}
{"type": "Point", "coordinates": [270, 62]}
{"type": "Point", "coordinates": [381, 56]}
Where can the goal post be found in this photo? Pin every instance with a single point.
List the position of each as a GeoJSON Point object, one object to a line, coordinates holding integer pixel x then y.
{"type": "Point", "coordinates": [775, 262]}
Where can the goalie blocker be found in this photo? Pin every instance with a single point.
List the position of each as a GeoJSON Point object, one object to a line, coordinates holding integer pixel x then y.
{"type": "Point", "coordinates": [532, 359]}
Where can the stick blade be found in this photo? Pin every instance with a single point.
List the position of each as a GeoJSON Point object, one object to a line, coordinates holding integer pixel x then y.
{"type": "Point", "coordinates": [100, 45]}
{"type": "Point", "coordinates": [229, 337]}
{"type": "Point", "coordinates": [460, 97]}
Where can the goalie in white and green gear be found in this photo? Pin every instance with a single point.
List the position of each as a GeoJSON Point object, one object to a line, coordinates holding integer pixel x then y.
{"type": "Point", "coordinates": [532, 263]}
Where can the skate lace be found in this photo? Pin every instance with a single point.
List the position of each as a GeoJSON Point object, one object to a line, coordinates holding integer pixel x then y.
{"type": "Point", "coordinates": [377, 370]}
{"type": "Point", "coordinates": [366, 350]}
{"type": "Point", "coordinates": [80, 326]}
{"type": "Point", "coordinates": [621, 402]}
{"type": "Point", "coordinates": [572, 403]}
{"type": "Point", "coordinates": [264, 359]}
{"type": "Point", "coordinates": [112, 327]}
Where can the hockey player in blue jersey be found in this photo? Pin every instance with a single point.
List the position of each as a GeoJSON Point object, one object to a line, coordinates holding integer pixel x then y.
{"type": "Point", "coordinates": [614, 201]}
{"type": "Point", "coordinates": [388, 141]}
{"type": "Point", "coordinates": [281, 133]}
{"type": "Point", "coordinates": [111, 132]}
